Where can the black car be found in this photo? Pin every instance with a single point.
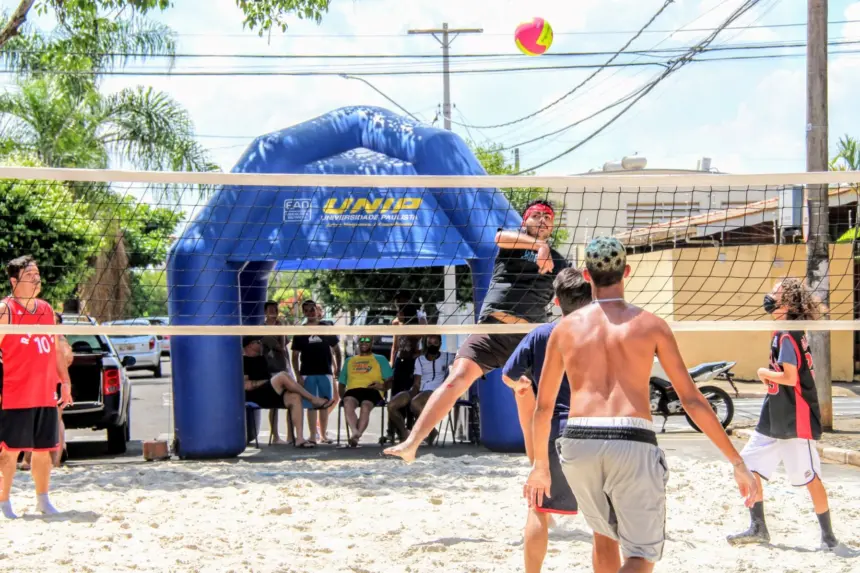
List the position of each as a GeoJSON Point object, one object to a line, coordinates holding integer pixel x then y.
{"type": "Point", "coordinates": [100, 389]}
{"type": "Point", "coordinates": [373, 317]}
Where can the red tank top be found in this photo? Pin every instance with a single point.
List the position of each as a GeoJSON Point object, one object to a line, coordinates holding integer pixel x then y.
{"type": "Point", "coordinates": [29, 361]}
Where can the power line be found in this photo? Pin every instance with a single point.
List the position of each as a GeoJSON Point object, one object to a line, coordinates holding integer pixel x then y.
{"type": "Point", "coordinates": [605, 65]}
{"type": "Point", "coordinates": [501, 34]}
{"type": "Point", "coordinates": [275, 73]}
{"type": "Point", "coordinates": [674, 66]}
{"type": "Point", "coordinates": [509, 56]}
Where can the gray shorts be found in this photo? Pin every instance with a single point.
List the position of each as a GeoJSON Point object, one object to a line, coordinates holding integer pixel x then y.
{"type": "Point", "coordinates": [618, 475]}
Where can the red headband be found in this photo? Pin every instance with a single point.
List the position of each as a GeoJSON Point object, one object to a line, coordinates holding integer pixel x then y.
{"type": "Point", "coordinates": [539, 208]}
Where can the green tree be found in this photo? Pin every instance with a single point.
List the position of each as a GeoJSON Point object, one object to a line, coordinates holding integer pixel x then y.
{"type": "Point", "coordinates": [847, 159]}
{"type": "Point", "coordinates": [351, 290]}
{"type": "Point", "coordinates": [60, 119]}
{"type": "Point", "coordinates": [78, 15]}
{"type": "Point", "coordinates": [148, 293]}
{"type": "Point", "coordinates": [847, 155]}
{"type": "Point", "coordinates": [43, 219]}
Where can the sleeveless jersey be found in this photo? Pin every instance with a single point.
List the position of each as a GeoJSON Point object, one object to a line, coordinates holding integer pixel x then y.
{"type": "Point", "coordinates": [29, 361]}
{"type": "Point", "coordinates": [791, 411]}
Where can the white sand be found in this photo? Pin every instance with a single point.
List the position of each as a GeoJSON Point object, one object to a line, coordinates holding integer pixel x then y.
{"type": "Point", "coordinates": [437, 515]}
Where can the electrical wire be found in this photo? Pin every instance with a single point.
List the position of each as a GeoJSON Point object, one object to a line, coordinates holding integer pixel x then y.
{"type": "Point", "coordinates": [671, 69]}
{"type": "Point", "coordinates": [608, 63]}
{"type": "Point", "coordinates": [255, 36]}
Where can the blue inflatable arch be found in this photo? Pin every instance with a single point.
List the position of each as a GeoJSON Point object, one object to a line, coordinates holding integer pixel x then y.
{"type": "Point", "coordinates": [218, 270]}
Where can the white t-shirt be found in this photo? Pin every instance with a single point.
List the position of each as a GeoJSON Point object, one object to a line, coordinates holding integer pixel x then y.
{"type": "Point", "coordinates": [433, 372]}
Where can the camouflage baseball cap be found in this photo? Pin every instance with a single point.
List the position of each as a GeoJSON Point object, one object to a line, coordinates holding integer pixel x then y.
{"type": "Point", "coordinates": [605, 255]}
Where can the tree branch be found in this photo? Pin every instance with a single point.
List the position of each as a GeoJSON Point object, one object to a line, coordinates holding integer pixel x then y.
{"type": "Point", "coordinates": [19, 16]}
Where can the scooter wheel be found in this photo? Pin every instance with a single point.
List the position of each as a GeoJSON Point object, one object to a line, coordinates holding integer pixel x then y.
{"type": "Point", "coordinates": [721, 403]}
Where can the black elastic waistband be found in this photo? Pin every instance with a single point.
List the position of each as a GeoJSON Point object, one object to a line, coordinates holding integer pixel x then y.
{"type": "Point", "coordinates": [607, 433]}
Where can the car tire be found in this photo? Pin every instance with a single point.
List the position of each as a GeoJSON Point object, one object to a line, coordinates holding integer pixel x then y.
{"type": "Point", "coordinates": [157, 372]}
{"type": "Point", "coordinates": [116, 438]}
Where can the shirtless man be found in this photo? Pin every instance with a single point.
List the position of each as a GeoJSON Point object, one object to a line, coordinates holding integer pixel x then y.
{"type": "Point", "coordinates": [609, 451]}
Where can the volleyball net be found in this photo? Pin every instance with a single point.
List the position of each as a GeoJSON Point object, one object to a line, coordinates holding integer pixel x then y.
{"type": "Point", "coordinates": [172, 253]}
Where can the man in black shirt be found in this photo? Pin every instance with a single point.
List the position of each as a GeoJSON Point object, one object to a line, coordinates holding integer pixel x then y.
{"type": "Point", "coordinates": [278, 391]}
{"type": "Point", "coordinates": [312, 362]}
{"type": "Point", "coordinates": [520, 291]}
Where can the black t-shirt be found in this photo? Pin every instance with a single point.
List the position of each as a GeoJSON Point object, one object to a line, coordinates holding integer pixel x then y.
{"type": "Point", "coordinates": [404, 373]}
{"type": "Point", "coordinates": [315, 355]}
{"type": "Point", "coordinates": [518, 288]}
{"type": "Point", "coordinates": [255, 367]}
{"type": "Point", "coordinates": [791, 411]}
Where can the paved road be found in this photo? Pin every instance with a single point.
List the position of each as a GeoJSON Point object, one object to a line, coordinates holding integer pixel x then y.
{"type": "Point", "coordinates": [152, 415]}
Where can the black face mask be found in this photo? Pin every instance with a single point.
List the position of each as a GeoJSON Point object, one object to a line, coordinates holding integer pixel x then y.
{"type": "Point", "coordinates": [433, 349]}
{"type": "Point", "coordinates": [769, 304]}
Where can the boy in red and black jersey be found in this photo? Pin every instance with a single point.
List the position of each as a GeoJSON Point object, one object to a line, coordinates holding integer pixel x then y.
{"type": "Point", "coordinates": [790, 421]}
{"type": "Point", "coordinates": [32, 368]}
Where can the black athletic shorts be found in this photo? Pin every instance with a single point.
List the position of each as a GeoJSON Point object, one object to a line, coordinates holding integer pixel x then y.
{"type": "Point", "coordinates": [562, 499]}
{"type": "Point", "coordinates": [30, 429]}
{"type": "Point", "coordinates": [265, 396]}
{"type": "Point", "coordinates": [490, 351]}
{"type": "Point", "coordinates": [364, 395]}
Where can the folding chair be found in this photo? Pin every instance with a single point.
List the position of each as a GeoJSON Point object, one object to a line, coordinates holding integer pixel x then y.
{"type": "Point", "coordinates": [382, 408]}
{"type": "Point", "coordinates": [251, 410]}
{"type": "Point", "coordinates": [450, 422]}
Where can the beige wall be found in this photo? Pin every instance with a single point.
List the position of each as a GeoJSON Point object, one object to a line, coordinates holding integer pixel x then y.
{"type": "Point", "coordinates": [728, 284]}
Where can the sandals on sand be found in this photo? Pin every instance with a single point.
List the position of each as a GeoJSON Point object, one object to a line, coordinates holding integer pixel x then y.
{"type": "Point", "coordinates": [306, 445]}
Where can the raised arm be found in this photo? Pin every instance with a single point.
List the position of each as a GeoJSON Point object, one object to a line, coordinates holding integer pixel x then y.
{"type": "Point", "coordinates": [518, 240]}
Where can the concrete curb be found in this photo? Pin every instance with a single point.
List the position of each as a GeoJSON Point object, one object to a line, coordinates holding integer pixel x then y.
{"type": "Point", "coordinates": [839, 455]}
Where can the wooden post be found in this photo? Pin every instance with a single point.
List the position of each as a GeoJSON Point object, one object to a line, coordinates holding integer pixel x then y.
{"type": "Point", "coordinates": [818, 242]}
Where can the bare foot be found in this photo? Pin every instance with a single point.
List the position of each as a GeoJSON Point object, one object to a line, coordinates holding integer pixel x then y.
{"type": "Point", "coordinates": [278, 442]}
{"type": "Point", "coordinates": [403, 450]}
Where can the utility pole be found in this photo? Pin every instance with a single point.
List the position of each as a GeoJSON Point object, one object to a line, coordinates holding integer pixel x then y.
{"type": "Point", "coordinates": [445, 41]}
{"type": "Point", "coordinates": [818, 239]}
{"type": "Point", "coordinates": [445, 36]}
{"type": "Point", "coordinates": [517, 159]}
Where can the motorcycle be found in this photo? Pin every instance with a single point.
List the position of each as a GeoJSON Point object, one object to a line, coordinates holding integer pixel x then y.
{"type": "Point", "coordinates": [665, 401]}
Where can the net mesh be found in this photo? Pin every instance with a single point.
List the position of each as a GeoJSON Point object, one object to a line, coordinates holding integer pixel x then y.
{"type": "Point", "coordinates": [702, 247]}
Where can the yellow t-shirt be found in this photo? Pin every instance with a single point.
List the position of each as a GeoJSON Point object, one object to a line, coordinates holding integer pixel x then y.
{"type": "Point", "coordinates": [362, 371]}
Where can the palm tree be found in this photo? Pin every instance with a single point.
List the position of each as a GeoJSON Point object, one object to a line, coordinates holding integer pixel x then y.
{"type": "Point", "coordinates": [847, 156]}
{"type": "Point", "coordinates": [847, 159]}
{"type": "Point", "coordinates": [136, 126]}
{"type": "Point", "coordinates": [57, 116]}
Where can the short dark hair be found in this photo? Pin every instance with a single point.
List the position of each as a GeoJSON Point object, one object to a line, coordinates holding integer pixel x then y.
{"type": "Point", "coordinates": [606, 261]}
{"type": "Point", "coordinates": [269, 304]}
{"type": "Point", "coordinates": [534, 202]}
{"type": "Point", "coordinates": [16, 265]}
{"type": "Point", "coordinates": [572, 290]}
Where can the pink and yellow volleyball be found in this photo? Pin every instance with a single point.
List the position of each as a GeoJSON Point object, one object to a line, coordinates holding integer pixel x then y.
{"type": "Point", "coordinates": [534, 37]}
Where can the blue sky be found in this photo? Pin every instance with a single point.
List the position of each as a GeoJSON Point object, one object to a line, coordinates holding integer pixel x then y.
{"type": "Point", "coordinates": [746, 116]}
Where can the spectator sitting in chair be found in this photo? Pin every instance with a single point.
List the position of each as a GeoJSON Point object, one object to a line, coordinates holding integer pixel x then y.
{"type": "Point", "coordinates": [431, 369]}
{"type": "Point", "coordinates": [278, 391]}
{"type": "Point", "coordinates": [364, 379]}
{"type": "Point", "coordinates": [403, 387]}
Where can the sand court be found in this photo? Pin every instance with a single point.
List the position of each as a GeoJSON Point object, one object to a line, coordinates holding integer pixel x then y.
{"type": "Point", "coordinates": [452, 514]}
